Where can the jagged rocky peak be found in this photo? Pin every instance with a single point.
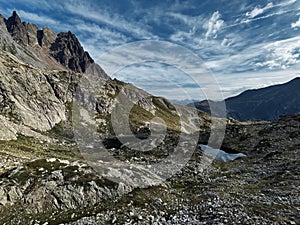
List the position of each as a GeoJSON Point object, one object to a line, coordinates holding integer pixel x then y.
{"type": "Point", "coordinates": [68, 51]}
{"type": "Point", "coordinates": [64, 48]}
{"type": "Point", "coordinates": [28, 33]}
{"type": "Point", "coordinates": [31, 33]}
{"type": "Point", "coordinates": [46, 37]}
{"type": "Point", "coordinates": [16, 28]}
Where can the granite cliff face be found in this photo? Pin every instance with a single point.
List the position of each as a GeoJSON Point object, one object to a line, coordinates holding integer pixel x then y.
{"type": "Point", "coordinates": [46, 37]}
{"type": "Point", "coordinates": [26, 96]}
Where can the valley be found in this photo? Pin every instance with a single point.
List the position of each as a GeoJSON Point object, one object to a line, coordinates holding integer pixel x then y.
{"type": "Point", "coordinates": [78, 147]}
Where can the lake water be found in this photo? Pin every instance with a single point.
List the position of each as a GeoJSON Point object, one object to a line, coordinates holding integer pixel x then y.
{"type": "Point", "coordinates": [220, 155]}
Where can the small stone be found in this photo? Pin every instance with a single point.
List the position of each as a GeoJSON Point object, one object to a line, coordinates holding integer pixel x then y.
{"type": "Point", "coordinates": [140, 217]}
{"type": "Point", "coordinates": [114, 220]}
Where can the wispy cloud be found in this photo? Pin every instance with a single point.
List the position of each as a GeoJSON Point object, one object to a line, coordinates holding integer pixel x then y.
{"type": "Point", "coordinates": [296, 24]}
{"type": "Point", "coordinates": [270, 55]}
{"type": "Point", "coordinates": [243, 43]}
{"type": "Point", "coordinates": [213, 25]}
{"type": "Point", "coordinates": [162, 80]}
{"type": "Point", "coordinates": [248, 20]}
{"type": "Point", "coordinates": [233, 84]}
{"type": "Point", "coordinates": [102, 15]}
{"type": "Point", "coordinates": [96, 39]}
{"type": "Point", "coordinates": [35, 5]}
{"type": "Point", "coordinates": [258, 10]}
{"type": "Point", "coordinates": [282, 54]}
{"type": "Point", "coordinates": [36, 18]}
{"type": "Point", "coordinates": [192, 22]}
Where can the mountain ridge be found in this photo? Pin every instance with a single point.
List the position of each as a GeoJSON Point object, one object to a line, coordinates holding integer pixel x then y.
{"type": "Point", "coordinates": [266, 103]}
{"type": "Point", "coordinates": [61, 62]}
{"type": "Point", "coordinates": [55, 51]}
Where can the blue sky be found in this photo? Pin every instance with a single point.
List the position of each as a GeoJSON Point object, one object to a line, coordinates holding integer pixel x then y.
{"type": "Point", "coordinates": [242, 43]}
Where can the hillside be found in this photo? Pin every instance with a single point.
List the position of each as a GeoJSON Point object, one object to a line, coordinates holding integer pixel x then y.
{"type": "Point", "coordinates": [261, 104]}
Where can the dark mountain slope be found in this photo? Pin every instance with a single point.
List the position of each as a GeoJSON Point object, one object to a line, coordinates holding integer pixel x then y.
{"type": "Point", "coordinates": [262, 104]}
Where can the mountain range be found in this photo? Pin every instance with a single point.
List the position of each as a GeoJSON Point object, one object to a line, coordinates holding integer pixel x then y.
{"type": "Point", "coordinates": [62, 120]}
{"type": "Point", "coordinates": [57, 63]}
{"type": "Point", "coordinates": [267, 103]}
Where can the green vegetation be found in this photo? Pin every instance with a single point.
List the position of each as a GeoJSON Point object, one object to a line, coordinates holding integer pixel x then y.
{"type": "Point", "coordinates": [166, 111]}
{"type": "Point", "coordinates": [30, 148]}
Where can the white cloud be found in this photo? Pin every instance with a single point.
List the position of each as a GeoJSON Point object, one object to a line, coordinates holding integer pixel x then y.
{"type": "Point", "coordinates": [258, 10]}
{"type": "Point", "coordinates": [213, 25]}
{"type": "Point", "coordinates": [226, 42]}
{"type": "Point", "coordinates": [274, 9]}
{"type": "Point", "coordinates": [248, 20]}
{"type": "Point", "coordinates": [296, 24]}
{"type": "Point", "coordinates": [234, 84]}
{"type": "Point", "coordinates": [272, 55]}
{"type": "Point", "coordinates": [36, 18]}
{"type": "Point", "coordinates": [282, 54]}
{"type": "Point", "coordinates": [161, 80]}
{"type": "Point", "coordinates": [191, 21]}
{"type": "Point", "coordinates": [90, 12]}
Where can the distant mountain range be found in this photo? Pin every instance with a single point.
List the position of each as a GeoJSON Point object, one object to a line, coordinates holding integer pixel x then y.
{"type": "Point", "coordinates": [183, 102]}
{"type": "Point", "coordinates": [260, 104]}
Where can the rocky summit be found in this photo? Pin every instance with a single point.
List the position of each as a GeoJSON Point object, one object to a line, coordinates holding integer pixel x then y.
{"type": "Point", "coordinates": [17, 29]}
{"type": "Point", "coordinates": [68, 51]}
{"type": "Point", "coordinates": [56, 51]}
{"type": "Point", "coordinates": [66, 157]}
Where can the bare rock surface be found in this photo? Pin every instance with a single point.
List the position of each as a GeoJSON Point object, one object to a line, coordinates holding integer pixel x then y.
{"type": "Point", "coordinates": [68, 51]}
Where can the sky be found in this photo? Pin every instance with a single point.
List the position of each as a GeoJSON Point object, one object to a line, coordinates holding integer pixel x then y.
{"type": "Point", "coordinates": [241, 44]}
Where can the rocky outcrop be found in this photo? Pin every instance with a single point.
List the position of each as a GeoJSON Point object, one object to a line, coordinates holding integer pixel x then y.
{"type": "Point", "coordinates": [54, 51]}
{"type": "Point", "coordinates": [17, 29]}
{"type": "Point", "coordinates": [31, 30]}
{"type": "Point", "coordinates": [65, 186]}
{"type": "Point", "coordinates": [27, 97]}
{"type": "Point", "coordinates": [2, 21]}
{"type": "Point", "coordinates": [68, 51]}
{"type": "Point", "coordinates": [18, 44]}
{"type": "Point", "coordinates": [261, 187]}
{"type": "Point", "coordinates": [46, 37]}
{"type": "Point", "coordinates": [27, 33]}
